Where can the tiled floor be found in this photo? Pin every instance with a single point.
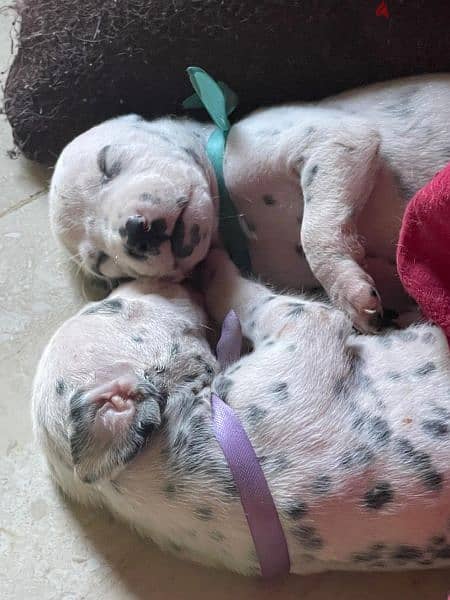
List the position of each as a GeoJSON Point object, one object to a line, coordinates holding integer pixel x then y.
{"type": "Point", "coordinates": [50, 549]}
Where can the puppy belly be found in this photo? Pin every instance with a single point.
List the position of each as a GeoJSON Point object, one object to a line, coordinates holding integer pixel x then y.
{"type": "Point", "coordinates": [271, 218]}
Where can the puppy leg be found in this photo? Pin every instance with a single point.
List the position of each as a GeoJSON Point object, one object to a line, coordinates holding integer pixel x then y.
{"type": "Point", "coordinates": [262, 313]}
{"type": "Point", "coordinates": [336, 179]}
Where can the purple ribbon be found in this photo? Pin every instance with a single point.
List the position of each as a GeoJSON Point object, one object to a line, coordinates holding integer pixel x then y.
{"type": "Point", "coordinates": [257, 502]}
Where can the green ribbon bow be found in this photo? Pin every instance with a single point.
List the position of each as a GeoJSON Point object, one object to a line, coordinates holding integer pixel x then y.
{"type": "Point", "coordinates": [220, 101]}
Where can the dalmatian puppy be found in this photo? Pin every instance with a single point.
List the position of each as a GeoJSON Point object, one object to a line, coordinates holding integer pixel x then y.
{"type": "Point", "coordinates": [321, 189]}
{"type": "Point", "coordinates": [357, 459]}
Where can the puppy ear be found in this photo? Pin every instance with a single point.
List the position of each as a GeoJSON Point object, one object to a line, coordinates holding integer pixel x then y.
{"type": "Point", "coordinates": [109, 424]}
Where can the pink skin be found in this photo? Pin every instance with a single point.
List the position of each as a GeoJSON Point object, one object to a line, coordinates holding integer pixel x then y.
{"type": "Point", "coordinates": [117, 405]}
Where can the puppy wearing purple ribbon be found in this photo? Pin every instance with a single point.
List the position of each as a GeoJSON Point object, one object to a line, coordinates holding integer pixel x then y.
{"type": "Point", "coordinates": [351, 432]}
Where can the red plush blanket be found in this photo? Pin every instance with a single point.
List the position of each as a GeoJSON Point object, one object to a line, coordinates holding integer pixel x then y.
{"type": "Point", "coordinates": [423, 253]}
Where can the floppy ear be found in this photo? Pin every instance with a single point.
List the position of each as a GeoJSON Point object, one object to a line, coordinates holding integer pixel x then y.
{"type": "Point", "coordinates": [109, 424]}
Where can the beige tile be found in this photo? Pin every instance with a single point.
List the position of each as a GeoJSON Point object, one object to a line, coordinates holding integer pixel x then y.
{"type": "Point", "coordinates": [37, 291]}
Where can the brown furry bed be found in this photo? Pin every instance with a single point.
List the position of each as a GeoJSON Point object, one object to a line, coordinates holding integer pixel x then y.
{"type": "Point", "coordinates": [82, 62]}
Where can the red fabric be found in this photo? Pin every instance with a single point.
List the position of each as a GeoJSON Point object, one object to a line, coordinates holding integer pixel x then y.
{"type": "Point", "coordinates": [423, 252]}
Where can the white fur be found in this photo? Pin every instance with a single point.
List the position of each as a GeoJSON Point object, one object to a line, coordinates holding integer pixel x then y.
{"type": "Point", "coordinates": [340, 422]}
{"type": "Point", "coordinates": [358, 157]}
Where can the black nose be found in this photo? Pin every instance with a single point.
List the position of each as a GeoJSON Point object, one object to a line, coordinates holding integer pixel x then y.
{"type": "Point", "coordinates": [144, 238]}
{"type": "Point", "coordinates": [136, 228]}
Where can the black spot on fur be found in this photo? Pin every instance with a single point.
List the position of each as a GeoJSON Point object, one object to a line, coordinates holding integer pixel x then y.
{"type": "Point", "coordinates": [204, 513]}
{"type": "Point", "coordinates": [179, 248]}
{"type": "Point", "coordinates": [295, 309]}
{"type": "Point", "coordinates": [441, 412]}
{"type": "Point", "coordinates": [174, 349]}
{"type": "Point", "coordinates": [106, 307]}
{"type": "Point", "coordinates": [321, 485]}
{"type": "Point", "coordinates": [60, 386]}
{"type": "Point", "coordinates": [170, 491]}
{"type": "Point", "coordinates": [428, 338]}
{"type": "Point", "coordinates": [407, 336]}
{"type": "Point", "coordinates": [137, 339]}
{"type": "Point", "coordinates": [308, 537]}
{"type": "Point", "coordinates": [254, 414]}
{"type": "Point", "coordinates": [280, 391]}
{"type": "Point", "coordinates": [146, 197]}
{"type": "Point", "coordinates": [359, 457]}
{"type": "Point", "coordinates": [426, 369]}
{"type": "Point", "coordinates": [378, 496]}
{"type": "Point", "coordinates": [296, 510]}
{"type": "Point", "coordinates": [276, 463]}
{"type": "Point", "coordinates": [420, 462]}
{"type": "Point", "coordinates": [435, 428]}
{"type": "Point", "coordinates": [222, 386]}
{"type": "Point", "coordinates": [340, 386]}
{"type": "Point", "coordinates": [310, 175]}
{"type": "Point", "coordinates": [374, 553]}
{"type": "Point", "coordinates": [269, 200]}
{"type": "Point", "coordinates": [406, 553]}
{"type": "Point", "coordinates": [380, 430]}
{"type": "Point", "coordinates": [432, 480]}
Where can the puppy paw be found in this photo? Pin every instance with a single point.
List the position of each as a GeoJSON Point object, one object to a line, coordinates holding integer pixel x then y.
{"type": "Point", "coordinates": [359, 298]}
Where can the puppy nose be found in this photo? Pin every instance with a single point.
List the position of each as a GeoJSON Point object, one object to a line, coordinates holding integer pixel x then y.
{"type": "Point", "coordinates": [142, 237]}
{"type": "Point", "coordinates": [136, 228]}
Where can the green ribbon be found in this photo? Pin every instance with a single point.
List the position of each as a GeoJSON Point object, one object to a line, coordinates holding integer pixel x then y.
{"type": "Point", "coordinates": [220, 101]}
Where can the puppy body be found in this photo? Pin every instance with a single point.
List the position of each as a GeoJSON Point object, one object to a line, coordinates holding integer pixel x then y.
{"type": "Point", "coordinates": [352, 432]}
{"type": "Point", "coordinates": [321, 189]}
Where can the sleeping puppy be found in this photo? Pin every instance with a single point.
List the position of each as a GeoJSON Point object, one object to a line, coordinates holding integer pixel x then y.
{"type": "Point", "coordinates": [352, 432]}
{"type": "Point", "coordinates": [321, 189]}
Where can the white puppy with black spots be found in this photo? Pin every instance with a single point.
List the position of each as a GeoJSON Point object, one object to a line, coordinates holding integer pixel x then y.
{"type": "Point", "coordinates": [321, 189]}
{"type": "Point", "coordinates": [352, 432]}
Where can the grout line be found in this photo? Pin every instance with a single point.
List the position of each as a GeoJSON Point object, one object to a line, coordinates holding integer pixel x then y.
{"type": "Point", "coordinates": [22, 203]}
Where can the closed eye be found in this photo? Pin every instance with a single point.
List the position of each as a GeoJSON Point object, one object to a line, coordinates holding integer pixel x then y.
{"type": "Point", "coordinates": [108, 164]}
{"type": "Point", "coordinates": [101, 259]}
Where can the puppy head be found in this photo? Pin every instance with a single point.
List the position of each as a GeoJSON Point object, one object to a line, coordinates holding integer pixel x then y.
{"type": "Point", "coordinates": [102, 384]}
{"type": "Point", "coordinates": [131, 198]}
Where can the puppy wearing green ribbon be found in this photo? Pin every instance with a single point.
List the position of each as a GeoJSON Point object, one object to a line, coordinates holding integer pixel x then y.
{"type": "Point", "coordinates": [304, 195]}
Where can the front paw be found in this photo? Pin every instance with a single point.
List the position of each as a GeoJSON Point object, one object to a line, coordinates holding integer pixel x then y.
{"type": "Point", "coordinates": [359, 298]}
